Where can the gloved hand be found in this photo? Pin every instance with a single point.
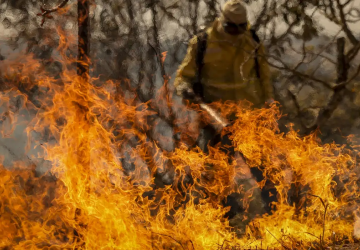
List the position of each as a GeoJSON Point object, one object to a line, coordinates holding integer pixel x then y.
{"type": "Point", "coordinates": [198, 89]}
{"type": "Point", "coordinates": [188, 94]}
{"type": "Point", "coordinates": [185, 90]}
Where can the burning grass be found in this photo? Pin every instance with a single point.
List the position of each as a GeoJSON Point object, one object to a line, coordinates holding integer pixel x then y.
{"type": "Point", "coordinates": [94, 201]}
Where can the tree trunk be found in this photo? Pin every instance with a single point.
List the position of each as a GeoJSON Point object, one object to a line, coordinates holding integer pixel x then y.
{"type": "Point", "coordinates": [342, 65]}
{"type": "Point", "coordinates": [342, 77]}
{"type": "Point", "coordinates": [83, 62]}
{"type": "Point", "coordinates": [84, 38]}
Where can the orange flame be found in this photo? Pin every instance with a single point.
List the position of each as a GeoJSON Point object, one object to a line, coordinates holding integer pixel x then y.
{"type": "Point", "coordinates": [163, 56]}
{"type": "Point", "coordinates": [106, 166]}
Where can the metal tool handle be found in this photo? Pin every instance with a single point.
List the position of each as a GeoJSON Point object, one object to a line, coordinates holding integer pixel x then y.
{"type": "Point", "coordinates": [217, 120]}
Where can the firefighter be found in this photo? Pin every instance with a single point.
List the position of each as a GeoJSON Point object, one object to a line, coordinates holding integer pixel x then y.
{"type": "Point", "coordinates": [229, 69]}
{"type": "Point", "coordinates": [226, 62]}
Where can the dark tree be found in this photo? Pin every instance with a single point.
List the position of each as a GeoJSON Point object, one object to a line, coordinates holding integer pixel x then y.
{"type": "Point", "coordinates": [83, 38]}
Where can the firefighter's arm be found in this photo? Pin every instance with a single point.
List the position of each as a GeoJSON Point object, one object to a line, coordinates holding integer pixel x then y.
{"type": "Point", "coordinates": [265, 77]}
{"type": "Point", "coordinates": [187, 70]}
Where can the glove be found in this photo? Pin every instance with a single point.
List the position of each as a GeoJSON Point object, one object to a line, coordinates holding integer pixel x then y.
{"type": "Point", "coordinates": [183, 89]}
{"type": "Point", "coordinates": [198, 89]}
{"type": "Point", "coordinates": [188, 94]}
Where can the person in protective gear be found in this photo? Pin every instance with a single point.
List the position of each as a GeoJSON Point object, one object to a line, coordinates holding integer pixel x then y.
{"type": "Point", "coordinates": [233, 67]}
{"type": "Point", "coordinates": [230, 71]}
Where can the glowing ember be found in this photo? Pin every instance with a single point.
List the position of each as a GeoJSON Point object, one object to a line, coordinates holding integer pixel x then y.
{"type": "Point", "coordinates": [95, 202]}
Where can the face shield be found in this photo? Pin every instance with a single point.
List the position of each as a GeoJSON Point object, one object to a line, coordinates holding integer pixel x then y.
{"type": "Point", "coordinates": [234, 29]}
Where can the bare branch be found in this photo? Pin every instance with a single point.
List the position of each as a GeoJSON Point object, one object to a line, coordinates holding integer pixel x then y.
{"type": "Point", "coordinates": [347, 31]}
{"type": "Point", "coordinates": [275, 40]}
{"type": "Point", "coordinates": [325, 205]}
{"type": "Point", "coordinates": [353, 52]}
{"type": "Point", "coordinates": [313, 235]}
{"type": "Point", "coordinates": [346, 3]}
{"type": "Point", "coordinates": [287, 68]}
{"type": "Point", "coordinates": [303, 56]}
{"type": "Point", "coordinates": [261, 15]}
{"type": "Point", "coordinates": [172, 239]}
{"type": "Point", "coordinates": [326, 8]}
{"type": "Point", "coordinates": [194, 15]}
{"type": "Point", "coordinates": [355, 13]}
{"type": "Point", "coordinates": [45, 13]}
{"type": "Point", "coordinates": [156, 38]}
{"type": "Point", "coordinates": [173, 18]}
{"type": "Point", "coordinates": [281, 242]}
{"type": "Point", "coordinates": [333, 12]}
{"type": "Point", "coordinates": [344, 84]}
{"type": "Point", "coordinates": [317, 68]}
{"type": "Point", "coordinates": [293, 97]}
{"type": "Point", "coordinates": [319, 54]}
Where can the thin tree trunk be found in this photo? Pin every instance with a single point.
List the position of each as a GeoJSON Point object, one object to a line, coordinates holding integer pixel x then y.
{"type": "Point", "coordinates": [84, 38]}
{"type": "Point", "coordinates": [212, 12]}
{"type": "Point", "coordinates": [342, 65]}
{"type": "Point", "coordinates": [342, 76]}
{"type": "Point", "coordinates": [83, 65]}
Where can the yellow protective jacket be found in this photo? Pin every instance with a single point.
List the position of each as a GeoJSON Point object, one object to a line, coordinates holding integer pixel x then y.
{"type": "Point", "coordinates": [229, 69]}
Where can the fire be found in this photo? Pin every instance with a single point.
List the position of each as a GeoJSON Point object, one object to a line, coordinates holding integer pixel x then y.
{"type": "Point", "coordinates": [95, 200]}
